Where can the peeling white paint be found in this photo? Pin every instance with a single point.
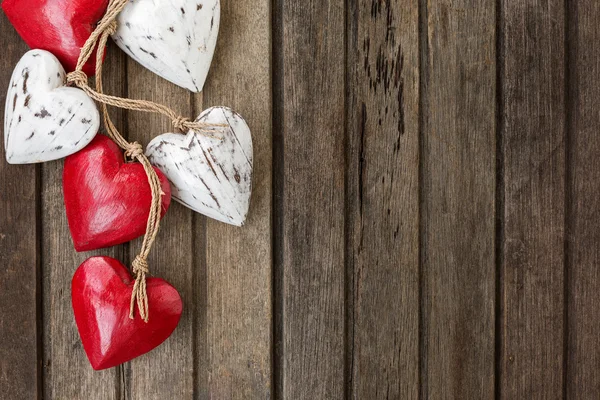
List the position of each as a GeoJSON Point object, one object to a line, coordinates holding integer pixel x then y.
{"type": "Point", "coordinates": [43, 119]}
{"type": "Point", "coordinates": [209, 175]}
{"type": "Point", "coordinates": [175, 39]}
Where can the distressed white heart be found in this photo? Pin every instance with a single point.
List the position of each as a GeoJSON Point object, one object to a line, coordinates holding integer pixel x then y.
{"type": "Point", "coordinates": [212, 176]}
{"type": "Point", "coordinates": [43, 119]}
{"type": "Point", "coordinates": [175, 39]}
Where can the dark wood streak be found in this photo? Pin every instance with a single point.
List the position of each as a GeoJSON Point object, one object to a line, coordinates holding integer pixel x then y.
{"type": "Point", "coordinates": [210, 164]}
{"type": "Point", "coordinates": [151, 54]}
{"type": "Point", "coordinates": [25, 79]}
{"type": "Point", "coordinates": [211, 193]}
{"type": "Point", "coordinates": [43, 113]}
{"type": "Point", "coordinates": [382, 201]}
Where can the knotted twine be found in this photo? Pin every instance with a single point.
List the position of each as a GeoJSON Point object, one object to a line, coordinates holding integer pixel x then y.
{"type": "Point", "coordinates": [106, 27]}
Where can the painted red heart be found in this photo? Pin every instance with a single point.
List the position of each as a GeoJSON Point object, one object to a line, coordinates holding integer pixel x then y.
{"type": "Point", "coordinates": [107, 200]}
{"type": "Point", "coordinates": [58, 26]}
{"type": "Point", "coordinates": [100, 294]}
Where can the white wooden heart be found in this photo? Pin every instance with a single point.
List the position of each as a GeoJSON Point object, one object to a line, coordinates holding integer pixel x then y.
{"type": "Point", "coordinates": [175, 39]}
{"type": "Point", "coordinates": [43, 119]}
{"type": "Point", "coordinates": [212, 176]}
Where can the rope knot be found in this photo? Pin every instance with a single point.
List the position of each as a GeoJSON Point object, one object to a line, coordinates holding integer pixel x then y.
{"type": "Point", "coordinates": [77, 77]}
{"type": "Point", "coordinates": [181, 123]}
{"type": "Point", "coordinates": [134, 150]}
{"type": "Point", "coordinates": [112, 27]}
{"type": "Point", "coordinates": [138, 294]}
{"type": "Point", "coordinates": [140, 265]}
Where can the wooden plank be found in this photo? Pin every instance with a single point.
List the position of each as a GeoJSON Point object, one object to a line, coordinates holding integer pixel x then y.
{"type": "Point", "coordinates": [67, 372]}
{"type": "Point", "coordinates": [458, 196]}
{"type": "Point", "coordinates": [383, 199]}
{"type": "Point", "coordinates": [533, 154]}
{"type": "Point", "coordinates": [234, 357]}
{"type": "Point", "coordinates": [20, 372]}
{"type": "Point", "coordinates": [583, 376]}
{"type": "Point", "coordinates": [311, 111]}
{"type": "Point", "coordinates": [168, 371]}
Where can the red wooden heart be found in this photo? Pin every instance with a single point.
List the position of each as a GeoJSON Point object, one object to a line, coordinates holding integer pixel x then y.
{"type": "Point", "coordinates": [107, 200]}
{"type": "Point", "coordinates": [100, 294]}
{"type": "Point", "coordinates": [58, 26]}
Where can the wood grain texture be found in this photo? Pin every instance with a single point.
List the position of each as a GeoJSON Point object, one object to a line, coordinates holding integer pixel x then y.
{"type": "Point", "coordinates": [532, 127]}
{"type": "Point", "coordinates": [583, 202]}
{"type": "Point", "coordinates": [425, 188]}
{"type": "Point", "coordinates": [67, 371]}
{"type": "Point", "coordinates": [458, 196]}
{"type": "Point", "coordinates": [313, 112]}
{"type": "Point", "coordinates": [167, 371]}
{"type": "Point", "coordinates": [236, 358]}
{"type": "Point", "coordinates": [383, 199]}
{"type": "Point", "coordinates": [20, 372]}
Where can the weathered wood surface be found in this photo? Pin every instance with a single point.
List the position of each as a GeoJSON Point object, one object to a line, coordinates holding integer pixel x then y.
{"type": "Point", "coordinates": [383, 200]}
{"type": "Point", "coordinates": [422, 224]}
{"type": "Point", "coordinates": [582, 201]}
{"type": "Point", "coordinates": [532, 127]}
{"type": "Point", "coordinates": [20, 277]}
{"type": "Point", "coordinates": [236, 331]}
{"type": "Point", "coordinates": [458, 200]}
{"type": "Point", "coordinates": [310, 235]}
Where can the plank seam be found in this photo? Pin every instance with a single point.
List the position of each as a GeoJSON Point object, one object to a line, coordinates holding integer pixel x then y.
{"type": "Point", "coordinates": [568, 188]}
{"type": "Point", "coordinates": [38, 285]}
{"type": "Point", "coordinates": [349, 326]}
{"type": "Point", "coordinates": [423, 79]}
{"type": "Point", "coordinates": [123, 386]}
{"type": "Point", "coordinates": [500, 193]}
{"type": "Point", "coordinates": [277, 160]}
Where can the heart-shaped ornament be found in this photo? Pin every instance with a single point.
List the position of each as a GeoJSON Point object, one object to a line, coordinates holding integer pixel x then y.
{"type": "Point", "coordinates": [175, 39]}
{"type": "Point", "coordinates": [212, 176]}
{"type": "Point", "coordinates": [59, 26]}
{"type": "Point", "coordinates": [107, 200]}
{"type": "Point", "coordinates": [100, 294]}
{"type": "Point", "coordinates": [43, 119]}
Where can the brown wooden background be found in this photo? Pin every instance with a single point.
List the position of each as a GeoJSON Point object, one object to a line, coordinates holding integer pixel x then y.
{"type": "Point", "coordinates": [424, 221]}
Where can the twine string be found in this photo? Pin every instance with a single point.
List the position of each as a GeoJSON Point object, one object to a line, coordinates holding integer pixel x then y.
{"type": "Point", "coordinates": [105, 28]}
{"type": "Point", "coordinates": [135, 151]}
